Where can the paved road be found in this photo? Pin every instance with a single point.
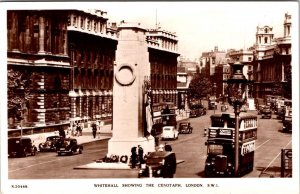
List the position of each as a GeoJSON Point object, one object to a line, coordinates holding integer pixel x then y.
{"type": "Point", "coordinates": [189, 147]}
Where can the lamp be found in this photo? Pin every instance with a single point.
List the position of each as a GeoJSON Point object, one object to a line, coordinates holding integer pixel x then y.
{"type": "Point", "coordinates": [236, 86]}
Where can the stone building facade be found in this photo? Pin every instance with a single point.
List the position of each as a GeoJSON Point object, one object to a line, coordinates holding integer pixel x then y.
{"type": "Point", "coordinates": [163, 54]}
{"type": "Point", "coordinates": [61, 68]}
{"type": "Point", "coordinates": [92, 51]}
{"type": "Point", "coordinates": [37, 70]}
{"type": "Point", "coordinates": [272, 60]}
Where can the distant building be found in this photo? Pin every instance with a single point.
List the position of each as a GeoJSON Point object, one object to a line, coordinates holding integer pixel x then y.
{"type": "Point", "coordinates": [272, 58]}
{"type": "Point", "coordinates": [222, 73]}
{"type": "Point", "coordinates": [209, 60]}
{"type": "Point", "coordinates": [183, 82]}
{"type": "Point", "coordinates": [185, 71]}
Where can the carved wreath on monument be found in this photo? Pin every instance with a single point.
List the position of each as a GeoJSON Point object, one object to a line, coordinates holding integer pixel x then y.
{"type": "Point", "coordinates": [125, 74]}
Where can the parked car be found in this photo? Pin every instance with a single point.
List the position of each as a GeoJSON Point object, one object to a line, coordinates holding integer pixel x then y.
{"type": "Point", "coordinates": [20, 147]}
{"type": "Point", "coordinates": [50, 143]}
{"type": "Point", "coordinates": [185, 127]}
{"type": "Point", "coordinates": [287, 121]}
{"type": "Point", "coordinates": [203, 109]}
{"type": "Point", "coordinates": [159, 164]}
{"type": "Point", "coordinates": [70, 147]}
{"type": "Point", "coordinates": [266, 112]}
{"type": "Point", "coordinates": [169, 132]}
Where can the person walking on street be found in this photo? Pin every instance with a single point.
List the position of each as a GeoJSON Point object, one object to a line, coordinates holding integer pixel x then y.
{"type": "Point", "coordinates": [78, 129]}
{"type": "Point", "coordinates": [94, 128]}
{"type": "Point", "coordinates": [62, 133]}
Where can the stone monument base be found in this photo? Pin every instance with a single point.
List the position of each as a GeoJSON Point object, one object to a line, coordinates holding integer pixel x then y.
{"type": "Point", "coordinates": [120, 147]}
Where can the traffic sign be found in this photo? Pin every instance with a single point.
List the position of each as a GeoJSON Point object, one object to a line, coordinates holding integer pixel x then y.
{"type": "Point", "coordinates": [288, 153]}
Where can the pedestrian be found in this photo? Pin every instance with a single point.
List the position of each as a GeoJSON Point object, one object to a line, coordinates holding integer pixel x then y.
{"type": "Point", "coordinates": [94, 128]}
{"type": "Point", "coordinates": [73, 129]}
{"type": "Point", "coordinates": [141, 155]}
{"type": "Point", "coordinates": [78, 129]}
{"type": "Point", "coordinates": [62, 132]}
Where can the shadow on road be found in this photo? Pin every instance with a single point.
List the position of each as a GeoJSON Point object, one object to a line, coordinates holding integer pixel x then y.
{"type": "Point", "coordinates": [270, 172]}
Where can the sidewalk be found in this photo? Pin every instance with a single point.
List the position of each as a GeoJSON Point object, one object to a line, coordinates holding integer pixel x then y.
{"type": "Point", "coordinates": [86, 137]}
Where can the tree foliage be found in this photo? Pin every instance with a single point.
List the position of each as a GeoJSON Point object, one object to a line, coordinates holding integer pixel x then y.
{"type": "Point", "coordinates": [200, 86]}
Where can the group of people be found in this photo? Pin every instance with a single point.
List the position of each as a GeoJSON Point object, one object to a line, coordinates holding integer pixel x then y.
{"type": "Point", "coordinates": [137, 156]}
{"type": "Point", "coordinates": [76, 129]}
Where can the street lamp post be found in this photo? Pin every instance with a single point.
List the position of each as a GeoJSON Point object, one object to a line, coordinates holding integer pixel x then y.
{"type": "Point", "coordinates": [237, 97]}
{"type": "Point", "coordinates": [214, 90]}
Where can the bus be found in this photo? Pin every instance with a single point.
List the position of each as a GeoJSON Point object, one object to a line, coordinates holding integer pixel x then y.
{"type": "Point", "coordinates": [220, 144]}
{"type": "Point", "coordinates": [196, 108]}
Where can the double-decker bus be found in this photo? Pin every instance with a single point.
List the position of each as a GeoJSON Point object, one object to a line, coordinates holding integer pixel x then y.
{"type": "Point", "coordinates": [221, 144]}
{"type": "Point", "coordinates": [196, 108]}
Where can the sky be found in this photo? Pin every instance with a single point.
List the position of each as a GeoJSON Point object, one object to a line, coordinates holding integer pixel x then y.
{"type": "Point", "coordinates": [200, 26]}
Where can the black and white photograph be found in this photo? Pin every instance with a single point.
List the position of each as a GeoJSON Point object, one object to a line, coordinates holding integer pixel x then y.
{"type": "Point", "coordinates": [145, 97]}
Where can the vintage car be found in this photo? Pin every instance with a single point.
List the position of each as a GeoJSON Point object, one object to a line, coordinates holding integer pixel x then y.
{"type": "Point", "coordinates": [260, 108]}
{"type": "Point", "coordinates": [70, 147]}
{"type": "Point", "coordinates": [212, 103]}
{"type": "Point", "coordinates": [160, 163]}
{"type": "Point", "coordinates": [280, 112]}
{"type": "Point", "coordinates": [50, 143]}
{"type": "Point", "coordinates": [287, 121]}
{"type": "Point", "coordinates": [169, 132]}
{"type": "Point", "coordinates": [20, 147]}
{"type": "Point", "coordinates": [266, 112]}
{"type": "Point", "coordinates": [185, 127]}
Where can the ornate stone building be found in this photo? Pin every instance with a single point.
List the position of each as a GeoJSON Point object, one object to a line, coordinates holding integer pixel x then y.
{"type": "Point", "coordinates": [61, 68]}
{"type": "Point", "coordinates": [37, 70]}
{"type": "Point", "coordinates": [92, 50]}
{"type": "Point", "coordinates": [272, 60]}
{"type": "Point", "coordinates": [163, 54]}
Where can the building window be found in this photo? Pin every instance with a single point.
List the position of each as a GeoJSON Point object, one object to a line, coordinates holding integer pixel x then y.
{"type": "Point", "coordinates": [88, 25]}
{"type": "Point", "coordinates": [75, 21]}
{"type": "Point", "coordinates": [266, 30]}
{"type": "Point", "coordinates": [69, 21]}
{"type": "Point", "coordinates": [95, 26]}
{"type": "Point", "coordinates": [266, 40]}
{"type": "Point", "coordinates": [249, 58]}
{"type": "Point", "coordinates": [81, 23]}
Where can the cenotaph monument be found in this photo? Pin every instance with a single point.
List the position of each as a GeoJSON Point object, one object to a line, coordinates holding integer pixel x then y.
{"type": "Point", "coordinates": [131, 70]}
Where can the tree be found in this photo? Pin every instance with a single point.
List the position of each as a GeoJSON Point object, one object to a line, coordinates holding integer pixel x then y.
{"type": "Point", "coordinates": [200, 86]}
{"type": "Point", "coordinates": [17, 92]}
